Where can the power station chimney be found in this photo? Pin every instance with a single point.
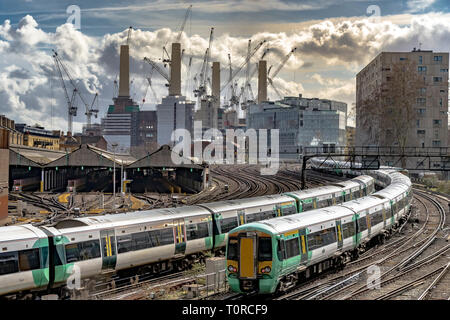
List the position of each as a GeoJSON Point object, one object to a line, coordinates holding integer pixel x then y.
{"type": "Point", "coordinates": [262, 81]}
{"type": "Point", "coordinates": [215, 88]}
{"type": "Point", "coordinates": [175, 71]}
{"type": "Point", "coordinates": [124, 78]}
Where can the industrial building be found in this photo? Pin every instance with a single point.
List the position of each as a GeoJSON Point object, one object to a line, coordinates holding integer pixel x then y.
{"type": "Point", "coordinates": [419, 113]}
{"type": "Point", "coordinates": [15, 137]}
{"type": "Point", "coordinates": [301, 122]}
{"type": "Point", "coordinates": [4, 171]}
{"type": "Point", "coordinates": [37, 136]}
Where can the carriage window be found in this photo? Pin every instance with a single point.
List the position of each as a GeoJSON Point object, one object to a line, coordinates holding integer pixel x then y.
{"type": "Point", "coordinates": [29, 260]}
{"type": "Point", "coordinates": [362, 223]}
{"type": "Point", "coordinates": [377, 217]}
{"type": "Point", "coordinates": [228, 224]}
{"type": "Point", "coordinates": [289, 210]}
{"type": "Point", "coordinates": [252, 217]}
{"type": "Point", "coordinates": [82, 251]}
{"type": "Point", "coordinates": [321, 238]}
{"type": "Point", "coordinates": [140, 240]}
{"type": "Point", "coordinates": [292, 248]}
{"type": "Point", "coordinates": [197, 231]}
{"type": "Point", "coordinates": [307, 204]}
{"type": "Point", "coordinates": [265, 249]}
{"type": "Point", "coordinates": [124, 244]}
{"type": "Point", "coordinates": [348, 229]}
{"type": "Point", "coordinates": [166, 236]}
{"type": "Point", "coordinates": [232, 253]}
{"type": "Point", "coordinates": [9, 263]}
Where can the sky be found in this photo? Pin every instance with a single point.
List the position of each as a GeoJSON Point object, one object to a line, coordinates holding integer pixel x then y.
{"type": "Point", "coordinates": [334, 41]}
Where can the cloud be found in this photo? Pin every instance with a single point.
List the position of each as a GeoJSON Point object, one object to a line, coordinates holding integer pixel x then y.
{"type": "Point", "coordinates": [419, 5]}
{"type": "Point", "coordinates": [30, 89]}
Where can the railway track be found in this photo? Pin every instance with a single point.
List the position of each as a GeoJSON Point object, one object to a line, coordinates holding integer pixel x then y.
{"type": "Point", "coordinates": [397, 261]}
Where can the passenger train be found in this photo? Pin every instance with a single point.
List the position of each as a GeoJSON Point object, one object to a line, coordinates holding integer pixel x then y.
{"type": "Point", "coordinates": [35, 259]}
{"type": "Point", "coordinates": [274, 255]}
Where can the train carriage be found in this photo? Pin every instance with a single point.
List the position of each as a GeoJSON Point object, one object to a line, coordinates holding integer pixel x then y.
{"type": "Point", "coordinates": [229, 214]}
{"type": "Point", "coordinates": [320, 197]}
{"type": "Point", "coordinates": [23, 259]}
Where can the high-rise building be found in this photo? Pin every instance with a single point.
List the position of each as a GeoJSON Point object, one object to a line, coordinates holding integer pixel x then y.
{"type": "Point", "coordinates": [174, 112]}
{"type": "Point", "coordinates": [402, 100]}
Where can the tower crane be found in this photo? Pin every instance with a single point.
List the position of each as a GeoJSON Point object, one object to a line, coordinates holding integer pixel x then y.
{"type": "Point", "coordinates": [201, 90]}
{"type": "Point", "coordinates": [253, 52]}
{"type": "Point", "coordinates": [275, 73]}
{"type": "Point", "coordinates": [72, 109]}
{"type": "Point", "coordinates": [157, 68]}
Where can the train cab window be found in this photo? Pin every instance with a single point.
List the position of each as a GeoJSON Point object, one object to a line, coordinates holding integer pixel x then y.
{"type": "Point", "coordinates": [292, 248]}
{"type": "Point", "coordinates": [9, 263]}
{"type": "Point", "coordinates": [348, 229]}
{"type": "Point", "coordinates": [362, 223]}
{"type": "Point", "coordinates": [29, 260]}
{"type": "Point", "coordinates": [233, 249]}
{"type": "Point", "coordinates": [265, 249]}
{"type": "Point", "coordinates": [228, 224]}
{"type": "Point", "coordinates": [197, 231]}
{"type": "Point", "coordinates": [280, 250]}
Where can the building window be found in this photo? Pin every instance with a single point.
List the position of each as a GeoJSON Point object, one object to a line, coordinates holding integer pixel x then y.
{"type": "Point", "coordinates": [418, 123]}
{"type": "Point", "coordinates": [420, 60]}
{"type": "Point", "coordinates": [423, 91]}
{"type": "Point", "coordinates": [437, 123]}
{"type": "Point", "coordinates": [421, 111]}
{"type": "Point", "coordinates": [388, 78]}
{"type": "Point", "coordinates": [421, 101]}
{"type": "Point", "coordinates": [420, 132]}
{"type": "Point", "coordinates": [444, 70]}
{"type": "Point", "coordinates": [437, 79]}
{"type": "Point", "coordinates": [403, 58]}
{"type": "Point", "coordinates": [437, 58]}
{"type": "Point", "coordinates": [436, 143]}
{"type": "Point", "coordinates": [422, 69]}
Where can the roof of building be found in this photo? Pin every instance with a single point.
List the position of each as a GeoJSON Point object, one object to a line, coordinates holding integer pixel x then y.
{"type": "Point", "coordinates": [163, 157]}
{"type": "Point", "coordinates": [30, 156]}
{"type": "Point", "coordinates": [89, 156]}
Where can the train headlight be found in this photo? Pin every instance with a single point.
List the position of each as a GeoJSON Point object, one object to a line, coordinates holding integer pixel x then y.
{"type": "Point", "coordinates": [231, 268]}
{"type": "Point", "coordinates": [266, 269]}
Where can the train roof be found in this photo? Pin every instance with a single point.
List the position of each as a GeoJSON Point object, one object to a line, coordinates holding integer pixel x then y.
{"type": "Point", "coordinates": [288, 223]}
{"type": "Point", "coordinates": [348, 184]}
{"type": "Point", "coordinates": [20, 232]}
{"type": "Point", "coordinates": [362, 203]}
{"type": "Point", "coordinates": [364, 178]}
{"type": "Point", "coordinates": [392, 191]}
{"type": "Point", "coordinates": [135, 217]}
{"type": "Point", "coordinates": [227, 205]}
{"type": "Point", "coordinates": [308, 193]}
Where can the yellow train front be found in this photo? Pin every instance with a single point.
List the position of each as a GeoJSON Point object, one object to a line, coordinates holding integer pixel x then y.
{"type": "Point", "coordinates": [250, 263]}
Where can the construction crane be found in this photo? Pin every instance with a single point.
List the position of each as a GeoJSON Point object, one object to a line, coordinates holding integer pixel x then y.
{"type": "Point", "coordinates": [234, 100]}
{"type": "Point", "coordinates": [247, 59]}
{"type": "Point", "coordinates": [149, 85]}
{"type": "Point", "coordinates": [178, 38]}
{"type": "Point", "coordinates": [72, 110]}
{"type": "Point", "coordinates": [157, 68]}
{"type": "Point", "coordinates": [275, 73]}
{"type": "Point", "coordinates": [200, 92]}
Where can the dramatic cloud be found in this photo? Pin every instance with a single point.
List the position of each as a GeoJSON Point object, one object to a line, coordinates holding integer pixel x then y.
{"type": "Point", "coordinates": [30, 89]}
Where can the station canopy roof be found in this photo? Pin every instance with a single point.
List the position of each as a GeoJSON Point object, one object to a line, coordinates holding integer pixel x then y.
{"type": "Point", "coordinates": [162, 158]}
{"type": "Point", "coordinates": [34, 157]}
{"type": "Point", "coordinates": [90, 156]}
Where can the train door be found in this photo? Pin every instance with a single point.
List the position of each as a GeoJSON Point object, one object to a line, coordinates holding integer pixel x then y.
{"type": "Point", "coordinates": [340, 240]}
{"type": "Point", "coordinates": [247, 254]}
{"type": "Point", "coordinates": [303, 246]}
{"type": "Point", "coordinates": [392, 212]}
{"type": "Point", "coordinates": [241, 217]}
{"type": "Point", "coordinates": [108, 242]}
{"type": "Point", "coordinates": [278, 210]}
{"type": "Point", "coordinates": [180, 242]}
{"type": "Point", "coordinates": [357, 237]}
{"type": "Point", "coordinates": [369, 222]}
{"type": "Point", "coordinates": [383, 211]}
